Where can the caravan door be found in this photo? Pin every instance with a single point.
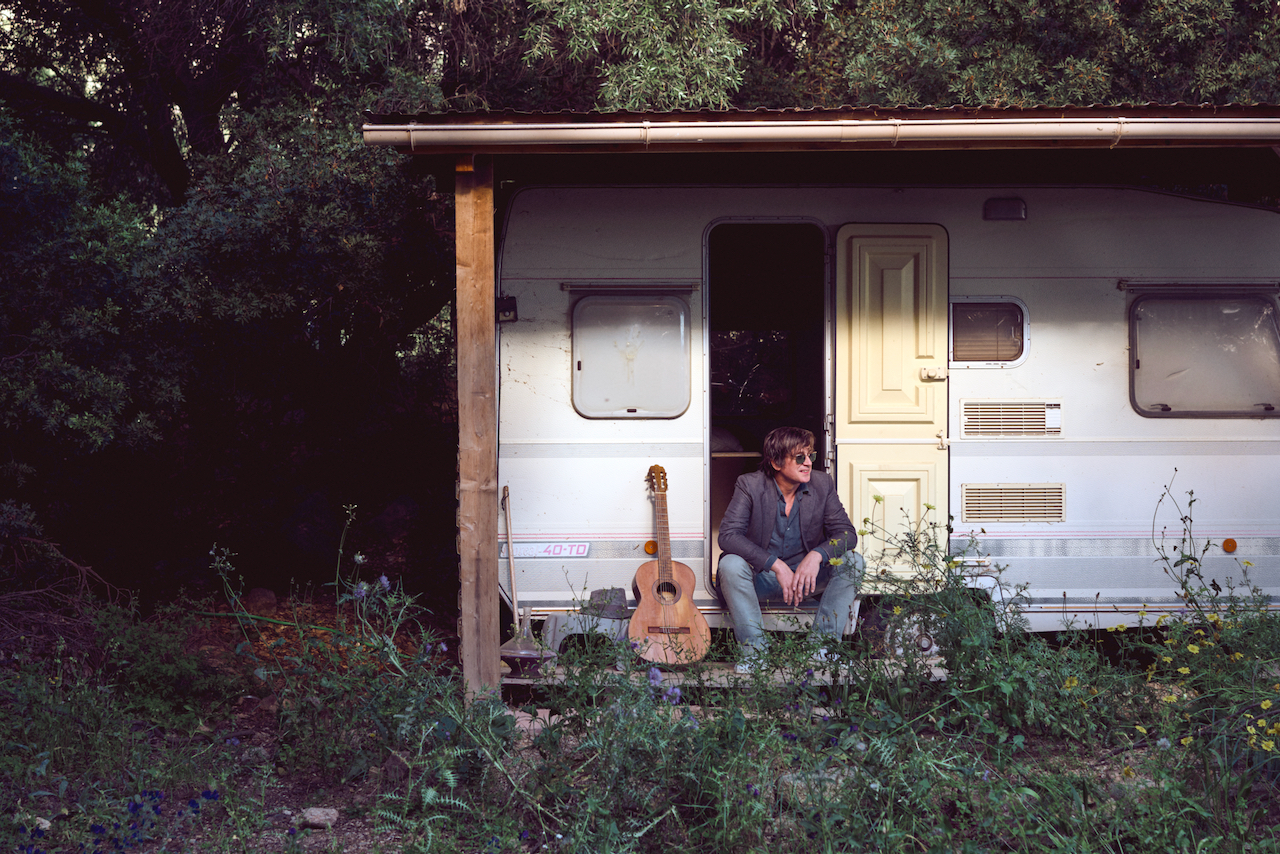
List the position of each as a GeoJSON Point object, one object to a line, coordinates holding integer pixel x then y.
{"type": "Point", "coordinates": [891, 377]}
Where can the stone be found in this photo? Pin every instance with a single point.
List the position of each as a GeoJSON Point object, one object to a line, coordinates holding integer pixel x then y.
{"type": "Point", "coordinates": [260, 601]}
{"type": "Point", "coordinates": [323, 818]}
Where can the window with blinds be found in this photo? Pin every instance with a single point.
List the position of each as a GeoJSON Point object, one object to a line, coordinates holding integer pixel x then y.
{"type": "Point", "coordinates": [987, 333]}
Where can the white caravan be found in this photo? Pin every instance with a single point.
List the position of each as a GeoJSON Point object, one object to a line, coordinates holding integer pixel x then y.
{"type": "Point", "coordinates": [1033, 363]}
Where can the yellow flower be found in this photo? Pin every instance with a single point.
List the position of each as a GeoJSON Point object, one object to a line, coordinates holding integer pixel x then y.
{"type": "Point", "coordinates": [1166, 658]}
{"type": "Point", "coordinates": [1236, 656]}
{"type": "Point", "coordinates": [1184, 670]}
{"type": "Point", "coordinates": [1247, 562]}
{"type": "Point", "coordinates": [1268, 745]}
{"type": "Point", "coordinates": [1249, 729]}
{"type": "Point", "coordinates": [1193, 649]}
{"type": "Point", "coordinates": [1141, 729]}
{"type": "Point", "coordinates": [1187, 741]}
{"type": "Point", "coordinates": [1262, 721]}
{"type": "Point", "coordinates": [1070, 683]}
{"type": "Point", "coordinates": [1160, 619]}
{"type": "Point", "coordinates": [1200, 632]}
{"type": "Point", "coordinates": [1265, 704]}
{"type": "Point", "coordinates": [897, 609]}
{"type": "Point", "coordinates": [1129, 772]}
{"type": "Point", "coordinates": [1169, 698]}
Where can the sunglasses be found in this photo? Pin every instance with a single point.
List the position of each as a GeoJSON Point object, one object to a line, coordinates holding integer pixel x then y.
{"type": "Point", "coordinates": [812, 456]}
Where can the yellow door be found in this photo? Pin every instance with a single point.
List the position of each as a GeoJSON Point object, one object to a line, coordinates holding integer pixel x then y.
{"type": "Point", "coordinates": [891, 386]}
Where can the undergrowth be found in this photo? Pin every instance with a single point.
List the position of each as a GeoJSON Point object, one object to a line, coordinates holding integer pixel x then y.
{"type": "Point", "coordinates": [1029, 743]}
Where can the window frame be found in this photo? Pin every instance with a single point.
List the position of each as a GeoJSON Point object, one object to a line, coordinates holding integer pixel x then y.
{"type": "Point", "coordinates": [579, 354]}
{"type": "Point", "coordinates": [953, 364]}
{"type": "Point", "coordinates": [1206, 293]}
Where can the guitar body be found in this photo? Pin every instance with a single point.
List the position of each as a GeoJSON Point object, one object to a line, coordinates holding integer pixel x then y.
{"type": "Point", "coordinates": [666, 627]}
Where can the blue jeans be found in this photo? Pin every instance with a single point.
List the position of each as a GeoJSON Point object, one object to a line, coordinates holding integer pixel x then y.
{"type": "Point", "coordinates": [744, 590]}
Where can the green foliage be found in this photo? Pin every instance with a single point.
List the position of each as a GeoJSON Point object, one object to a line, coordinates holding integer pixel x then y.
{"type": "Point", "coordinates": [1027, 52]}
{"type": "Point", "coordinates": [662, 54]}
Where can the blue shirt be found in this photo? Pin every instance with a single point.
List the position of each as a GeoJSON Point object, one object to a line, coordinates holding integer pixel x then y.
{"type": "Point", "coordinates": [785, 542]}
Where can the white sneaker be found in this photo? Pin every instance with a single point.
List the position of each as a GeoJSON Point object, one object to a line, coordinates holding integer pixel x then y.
{"type": "Point", "coordinates": [750, 662]}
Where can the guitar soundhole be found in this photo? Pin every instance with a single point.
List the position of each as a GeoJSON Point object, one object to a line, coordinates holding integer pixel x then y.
{"type": "Point", "coordinates": [666, 592]}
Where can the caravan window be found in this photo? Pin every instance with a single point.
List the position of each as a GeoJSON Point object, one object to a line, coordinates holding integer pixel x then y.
{"type": "Point", "coordinates": [1204, 356]}
{"type": "Point", "coordinates": [988, 332]}
{"type": "Point", "coordinates": [631, 357]}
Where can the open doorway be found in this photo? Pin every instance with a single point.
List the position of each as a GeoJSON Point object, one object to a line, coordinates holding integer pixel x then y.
{"type": "Point", "coordinates": [766, 298]}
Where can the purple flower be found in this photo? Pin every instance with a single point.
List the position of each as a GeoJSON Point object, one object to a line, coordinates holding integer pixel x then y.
{"type": "Point", "coordinates": [752, 790]}
{"type": "Point", "coordinates": [361, 590]}
{"type": "Point", "coordinates": [655, 677]}
{"type": "Point", "coordinates": [386, 585]}
{"type": "Point", "coordinates": [671, 695]}
{"type": "Point", "coordinates": [444, 647]}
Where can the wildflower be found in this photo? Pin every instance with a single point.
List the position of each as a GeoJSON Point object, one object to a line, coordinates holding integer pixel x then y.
{"type": "Point", "coordinates": [1164, 744]}
{"type": "Point", "coordinates": [1166, 659]}
{"type": "Point", "coordinates": [671, 695]}
{"type": "Point", "coordinates": [897, 610]}
{"type": "Point", "coordinates": [655, 677]}
{"type": "Point", "coordinates": [361, 590]}
{"type": "Point", "coordinates": [1141, 729]}
{"type": "Point", "coordinates": [1186, 740]}
{"type": "Point", "coordinates": [1185, 671]}
{"type": "Point", "coordinates": [1268, 745]}
{"type": "Point", "coordinates": [209, 794]}
{"type": "Point", "coordinates": [1169, 698]}
{"type": "Point", "coordinates": [1265, 704]}
{"type": "Point", "coordinates": [1193, 649]}
{"type": "Point", "coordinates": [1070, 683]}
{"type": "Point", "coordinates": [386, 585]}
{"type": "Point", "coordinates": [752, 790]}
{"type": "Point", "coordinates": [1160, 620]}
{"type": "Point", "coordinates": [1128, 772]}
{"type": "Point", "coordinates": [360, 559]}
{"type": "Point", "coordinates": [1237, 656]}
{"type": "Point", "coordinates": [444, 647]}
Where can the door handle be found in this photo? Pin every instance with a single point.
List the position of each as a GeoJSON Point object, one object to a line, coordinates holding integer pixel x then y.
{"type": "Point", "coordinates": [933, 374]}
{"type": "Point", "coordinates": [943, 441]}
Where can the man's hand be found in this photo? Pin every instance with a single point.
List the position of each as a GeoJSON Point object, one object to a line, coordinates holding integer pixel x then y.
{"type": "Point", "coordinates": [800, 583]}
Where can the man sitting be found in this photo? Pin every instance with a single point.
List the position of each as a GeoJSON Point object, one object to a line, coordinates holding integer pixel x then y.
{"type": "Point", "coordinates": [785, 537]}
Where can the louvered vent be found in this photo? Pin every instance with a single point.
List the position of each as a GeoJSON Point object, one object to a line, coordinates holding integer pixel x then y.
{"type": "Point", "coordinates": [1012, 502]}
{"type": "Point", "coordinates": [1010, 418]}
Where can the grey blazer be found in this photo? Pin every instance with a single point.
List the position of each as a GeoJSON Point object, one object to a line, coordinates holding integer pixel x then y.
{"type": "Point", "coordinates": [749, 520]}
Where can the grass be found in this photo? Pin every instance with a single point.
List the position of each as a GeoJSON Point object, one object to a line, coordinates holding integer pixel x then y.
{"type": "Point", "coordinates": [128, 734]}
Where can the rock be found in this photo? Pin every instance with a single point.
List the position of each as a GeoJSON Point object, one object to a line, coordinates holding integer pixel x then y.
{"type": "Point", "coordinates": [395, 769]}
{"type": "Point", "coordinates": [260, 601]}
{"type": "Point", "coordinates": [323, 818]}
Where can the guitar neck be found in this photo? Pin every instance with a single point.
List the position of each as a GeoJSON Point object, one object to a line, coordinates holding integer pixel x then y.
{"type": "Point", "coordinates": [664, 537]}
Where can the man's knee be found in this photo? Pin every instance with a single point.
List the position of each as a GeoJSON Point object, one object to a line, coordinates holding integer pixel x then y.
{"type": "Point", "coordinates": [733, 570]}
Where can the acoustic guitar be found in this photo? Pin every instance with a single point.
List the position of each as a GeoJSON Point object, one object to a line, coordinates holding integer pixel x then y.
{"type": "Point", "coordinates": [666, 628]}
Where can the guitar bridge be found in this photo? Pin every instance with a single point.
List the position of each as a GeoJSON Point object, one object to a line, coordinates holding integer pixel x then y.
{"type": "Point", "coordinates": [669, 630]}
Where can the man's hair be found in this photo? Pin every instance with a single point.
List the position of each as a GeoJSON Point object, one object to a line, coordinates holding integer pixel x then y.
{"type": "Point", "coordinates": [781, 443]}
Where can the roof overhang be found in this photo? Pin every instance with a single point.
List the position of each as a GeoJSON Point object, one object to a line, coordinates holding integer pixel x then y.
{"type": "Point", "coordinates": [847, 130]}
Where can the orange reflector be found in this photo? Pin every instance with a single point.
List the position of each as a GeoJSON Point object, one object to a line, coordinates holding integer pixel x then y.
{"type": "Point", "coordinates": [651, 547]}
{"type": "Point", "coordinates": [1228, 545]}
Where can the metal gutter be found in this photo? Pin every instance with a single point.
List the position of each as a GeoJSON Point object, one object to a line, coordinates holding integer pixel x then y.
{"type": "Point", "coordinates": [833, 133]}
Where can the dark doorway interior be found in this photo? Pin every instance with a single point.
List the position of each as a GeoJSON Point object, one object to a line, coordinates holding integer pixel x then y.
{"type": "Point", "coordinates": [767, 296]}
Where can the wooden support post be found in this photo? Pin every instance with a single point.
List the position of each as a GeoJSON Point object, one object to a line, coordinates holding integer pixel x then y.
{"type": "Point", "coordinates": [477, 425]}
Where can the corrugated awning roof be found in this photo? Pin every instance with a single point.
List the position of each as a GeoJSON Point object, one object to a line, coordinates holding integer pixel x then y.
{"type": "Point", "coordinates": [853, 128]}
